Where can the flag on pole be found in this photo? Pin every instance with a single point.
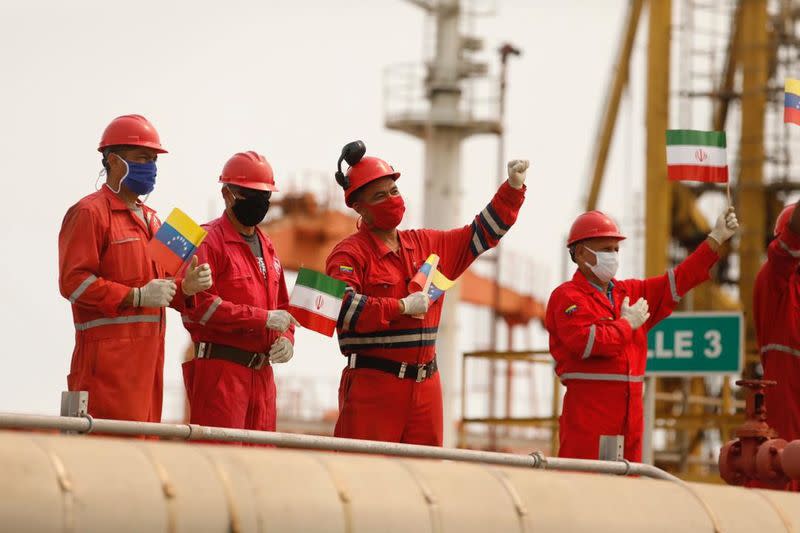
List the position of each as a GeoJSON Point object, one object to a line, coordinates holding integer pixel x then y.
{"type": "Point", "coordinates": [429, 278]}
{"type": "Point", "coordinates": [175, 241]}
{"type": "Point", "coordinates": [697, 156]}
{"type": "Point", "coordinates": [316, 301]}
{"type": "Point", "coordinates": [791, 102]}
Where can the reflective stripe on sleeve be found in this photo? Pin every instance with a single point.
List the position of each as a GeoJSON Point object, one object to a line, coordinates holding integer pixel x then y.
{"type": "Point", "coordinates": [590, 343]}
{"type": "Point", "coordinates": [780, 348]}
{"type": "Point", "coordinates": [793, 253]}
{"type": "Point", "coordinates": [673, 285]}
{"type": "Point", "coordinates": [478, 244]}
{"type": "Point", "coordinates": [492, 222]}
{"type": "Point", "coordinates": [91, 278]}
{"type": "Point", "coordinates": [210, 311]}
{"type": "Point", "coordinates": [357, 313]}
{"type": "Point", "coordinates": [131, 319]}
{"type": "Point", "coordinates": [588, 376]}
{"type": "Point", "coordinates": [356, 301]}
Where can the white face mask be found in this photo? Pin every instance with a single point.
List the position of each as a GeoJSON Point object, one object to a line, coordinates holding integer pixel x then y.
{"type": "Point", "coordinates": [607, 264]}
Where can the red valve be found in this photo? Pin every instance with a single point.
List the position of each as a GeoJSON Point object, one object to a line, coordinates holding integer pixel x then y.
{"type": "Point", "coordinates": [756, 454]}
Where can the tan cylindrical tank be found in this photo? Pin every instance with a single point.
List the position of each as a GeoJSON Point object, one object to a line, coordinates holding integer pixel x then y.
{"type": "Point", "coordinates": [88, 484]}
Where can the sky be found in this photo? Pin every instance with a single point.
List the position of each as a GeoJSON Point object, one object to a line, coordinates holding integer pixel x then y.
{"type": "Point", "coordinates": [294, 81]}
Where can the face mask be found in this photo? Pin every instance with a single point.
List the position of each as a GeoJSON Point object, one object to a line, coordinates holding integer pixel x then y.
{"type": "Point", "coordinates": [139, 178]}
{"type": "Point", "coordinates": [388, 214]}
{"type": "Point", "coordinates": [252, 210]}
{"type": "Point", "coordinates": [607, 264]}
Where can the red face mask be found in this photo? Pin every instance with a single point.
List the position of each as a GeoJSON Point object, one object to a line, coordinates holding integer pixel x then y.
{"type": "Point", "coordinates": [388, 214]}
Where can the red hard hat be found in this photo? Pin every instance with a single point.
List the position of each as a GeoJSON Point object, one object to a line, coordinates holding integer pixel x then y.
{"type": "Point", "coordinates": [249, 170]}
{"type": "Point", "coordinates": [783, 219]}
{"type": "Point", "coordinates": [132, 130]}
{"type": "Point", "coordinates": [365, 171]}
{"type": "Point", "coordinates": [593, 225]}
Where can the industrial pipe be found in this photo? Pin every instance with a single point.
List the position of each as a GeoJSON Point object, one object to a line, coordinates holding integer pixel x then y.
{"type": "Point", "coordinates": [95, 485]}
{"type": "Point", "coordinates": [314, 442]}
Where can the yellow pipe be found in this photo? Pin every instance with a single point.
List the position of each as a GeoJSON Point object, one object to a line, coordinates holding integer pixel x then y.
{"type": "Point", "coordinates": [753, 54]}
{"type": "Point", "coordinates": [658, 191]}
{"type": "Point", "coordinates": [89, 484]}
{"type": "Point", "coordinates": [618, 83]}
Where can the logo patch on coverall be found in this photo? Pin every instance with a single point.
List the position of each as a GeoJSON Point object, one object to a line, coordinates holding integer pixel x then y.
{"type": "Point", "coordinates": [571, 309]}
{"type": "Point", "coordinates": [346, 269]}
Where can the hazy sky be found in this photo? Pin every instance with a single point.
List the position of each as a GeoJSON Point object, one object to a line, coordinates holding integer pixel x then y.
{"type": "Point", "coordinates": [294, 81]}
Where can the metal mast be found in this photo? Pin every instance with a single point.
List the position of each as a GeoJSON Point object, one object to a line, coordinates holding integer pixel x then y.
{"type": "Point", "coordinates": [442, 117]}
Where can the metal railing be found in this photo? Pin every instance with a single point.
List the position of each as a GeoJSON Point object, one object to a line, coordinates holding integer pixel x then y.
{"type": "Point", "coordinates": [536, 357]}
{"type": "Point", "coordinates": [405, 96]}
{"type": "Point", "coordinates": [194, 432]}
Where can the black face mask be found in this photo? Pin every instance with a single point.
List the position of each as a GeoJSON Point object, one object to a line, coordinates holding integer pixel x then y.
{"type": "Point", "coordinates": [250, 211]}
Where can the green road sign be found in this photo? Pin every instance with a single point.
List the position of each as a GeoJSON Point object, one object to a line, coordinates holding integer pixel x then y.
{"type": "Point", "coordinates": [696, 344]}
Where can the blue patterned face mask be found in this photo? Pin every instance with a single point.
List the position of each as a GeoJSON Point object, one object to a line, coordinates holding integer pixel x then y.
{"type": "Point", "coordinates": [139, 178]}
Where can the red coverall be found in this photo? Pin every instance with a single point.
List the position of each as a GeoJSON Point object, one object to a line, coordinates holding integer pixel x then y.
{"type": "Point", "coordinates": [233, 312]}
{"type": "Point", "coordinates": [374, 404]}
{"type": "Point", "coordinates": [601, 360]}
{"type": "Point", "coordinates": [119, 351]}
{"type": "Point", "coordinates": [776, 301]}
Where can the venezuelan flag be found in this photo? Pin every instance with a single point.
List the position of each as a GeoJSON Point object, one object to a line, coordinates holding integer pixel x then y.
{"type": "Point", "coordinates": [439, 285]}
{"type": "Point", "coordinates": [175, 241]}
{"type": "Point", "coordinates": [421, 277]}
{"type": "Point", "coordinates": [791, 102]}
{"type": "Point", "coordinates": [439, 282]}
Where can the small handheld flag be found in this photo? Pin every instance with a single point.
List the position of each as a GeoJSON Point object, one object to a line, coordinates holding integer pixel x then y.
{"type": "Point", "coordinates": [316, 301]}
{"type": "Point", "coordinates": [439, 285]}
{"type": "Point", "coordinates": [791, 102]}
{"type": "Point", "coordinates": [420, 279]}
{"type": "Point", "coordinates": [429, 279]}
{"type": "Point", "coordinates": [697, 156]}
{"type": "Point", "coordinates": [175, 241]}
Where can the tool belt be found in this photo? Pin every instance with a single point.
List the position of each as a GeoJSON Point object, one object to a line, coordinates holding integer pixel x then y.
{"type": "Point", "coordinates": [402, 370]}
{"type": "Point", "coordinates": [207, 350]}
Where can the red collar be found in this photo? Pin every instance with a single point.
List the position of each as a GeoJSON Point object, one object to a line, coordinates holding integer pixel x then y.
{"type": "Point", "coordinates": [583, 282]}
{"type": "Point", "coordinates": [117, 204]}
{"type": "Point", "coordinates": [380, 247]}
{"type": "Point", "coordinates": [229, 233]}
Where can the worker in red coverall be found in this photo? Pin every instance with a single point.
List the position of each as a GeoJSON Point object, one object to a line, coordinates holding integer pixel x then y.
{"type": "Point", "coordinates": [390, 390]}
{"type": "Point", "coordinates": [240, 326]}
{"type": "Point", "coordinates": [776, 301]}
{"type": "Point", "coordinates": [598, 332]}
{"type": "Point", "coordinates": [118, 293]}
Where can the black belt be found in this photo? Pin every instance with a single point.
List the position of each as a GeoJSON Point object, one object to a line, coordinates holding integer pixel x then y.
{"type": "Point", "coordinates": [207, 350]}
{"type": "Point", "coordinates": [401, 370]}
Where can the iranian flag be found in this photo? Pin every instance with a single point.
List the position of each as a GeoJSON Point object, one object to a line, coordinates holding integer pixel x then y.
{"type": "Point", "coordinates": [697, 156]}
{"type": "Point", "coordinates": [316, 300]}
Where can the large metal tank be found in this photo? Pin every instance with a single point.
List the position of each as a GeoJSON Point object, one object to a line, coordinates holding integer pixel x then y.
{"type": "Point", "coordinates": [103, 484]}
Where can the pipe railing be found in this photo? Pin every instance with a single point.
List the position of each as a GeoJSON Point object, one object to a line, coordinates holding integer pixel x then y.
{"type": "Point", "coordinates": [194, 432]}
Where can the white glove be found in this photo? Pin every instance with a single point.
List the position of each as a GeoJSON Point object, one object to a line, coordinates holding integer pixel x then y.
{"type": "Point", "coordinates": [280, 320]}
{"type": "Point", "coordinates": [726, 226]}
{"type": "Point", "coordinates": [157, 293]}
{"type": "Point", "coordinates": [636, 314]}
{"type": "Point", "coordinates": [281, 351]}
{"type": "Point", "coordinates": [517, 168]}
{"type": "Point", "coordinates": [197, 279]}
{"type": "Point", "coordinates": [416, 303]}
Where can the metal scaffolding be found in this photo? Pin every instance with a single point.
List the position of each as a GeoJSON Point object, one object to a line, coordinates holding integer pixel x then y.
{"type": "Point", "coordinates": [728, 60]}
